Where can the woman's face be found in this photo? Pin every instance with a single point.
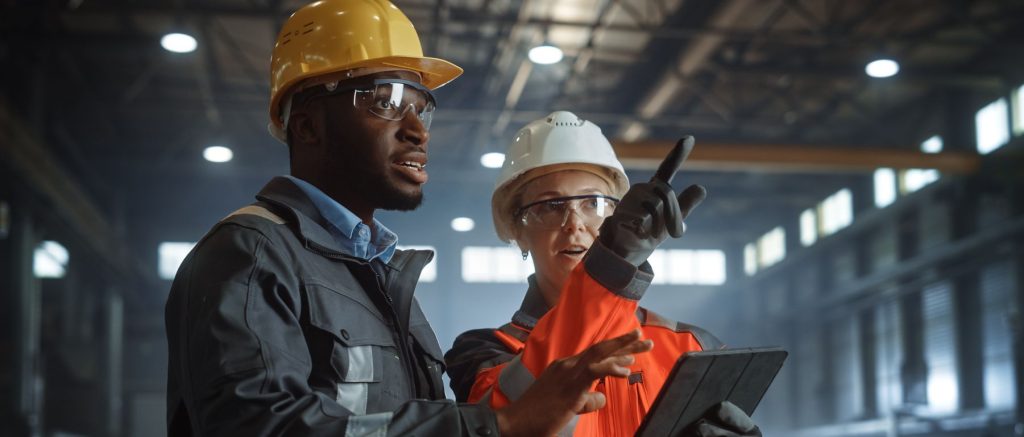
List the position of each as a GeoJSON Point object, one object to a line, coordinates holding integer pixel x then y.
{"type": "Point", "coordinates": [557, 249]}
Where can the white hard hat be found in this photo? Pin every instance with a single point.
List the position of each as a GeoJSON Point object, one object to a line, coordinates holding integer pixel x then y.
{"type": "Point", "coordinates": [560, 138]}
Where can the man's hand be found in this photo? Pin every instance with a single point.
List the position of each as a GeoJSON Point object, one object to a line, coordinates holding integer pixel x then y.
{"type": "Point", "coordinates": [563, 390]}
{"type": "Point", "coordinates": [650, 211]}
{"type": "Point", "coordinates": [724, 420]}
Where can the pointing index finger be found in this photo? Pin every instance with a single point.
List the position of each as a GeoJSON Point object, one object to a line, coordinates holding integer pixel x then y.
{"type": "Point", "coordinates": [667, 169]}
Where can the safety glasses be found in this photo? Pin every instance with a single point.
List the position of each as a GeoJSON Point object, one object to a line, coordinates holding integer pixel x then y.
{"type": "Point", "coordinates": [554, 213]}
{"type": "Point", "coordinates": [390, 99]}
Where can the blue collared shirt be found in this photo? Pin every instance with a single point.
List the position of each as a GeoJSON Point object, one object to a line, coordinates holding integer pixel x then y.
{"type": "Point", "coordinates": [352, 235]}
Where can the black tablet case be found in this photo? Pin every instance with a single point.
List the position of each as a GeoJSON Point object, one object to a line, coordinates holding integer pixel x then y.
{"type": "Point", "coordinates": [700, 380]}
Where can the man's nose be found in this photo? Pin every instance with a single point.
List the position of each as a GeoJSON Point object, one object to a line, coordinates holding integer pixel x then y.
{"type": "Point", "coordinates": [412, 129]}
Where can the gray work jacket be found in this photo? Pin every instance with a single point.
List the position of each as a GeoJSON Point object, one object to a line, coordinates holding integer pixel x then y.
{"type": "Point", "coordinates": [272, 330]}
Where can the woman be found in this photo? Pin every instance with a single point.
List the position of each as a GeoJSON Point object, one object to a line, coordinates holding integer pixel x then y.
{"type": "Point", "coordinates": [560, 181]}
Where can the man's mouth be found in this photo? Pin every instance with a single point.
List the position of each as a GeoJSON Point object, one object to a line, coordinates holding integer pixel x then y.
{"type": "Point", "coordinates": [413, 171]}
{"type": "Point", "coordinates": [412, 164]}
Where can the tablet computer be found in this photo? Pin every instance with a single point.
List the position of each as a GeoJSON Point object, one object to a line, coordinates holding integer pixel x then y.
{"type": "Point", "coordinates": [701, 380]}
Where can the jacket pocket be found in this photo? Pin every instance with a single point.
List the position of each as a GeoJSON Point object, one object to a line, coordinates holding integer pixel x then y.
{"type": "Point", "coordinates": [362, 343]}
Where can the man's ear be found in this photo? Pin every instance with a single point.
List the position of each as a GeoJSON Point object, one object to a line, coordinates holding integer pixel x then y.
{"type": "Point", "coordinates": [304, 128]}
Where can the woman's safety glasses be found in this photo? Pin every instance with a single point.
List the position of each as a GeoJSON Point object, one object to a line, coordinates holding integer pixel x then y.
{"type": "Point", "coordinates": [554, 213]}
{"type": "Point", "coordinates": [390, 99]}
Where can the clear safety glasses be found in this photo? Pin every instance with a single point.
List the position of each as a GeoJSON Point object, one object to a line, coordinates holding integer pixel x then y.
{"type": "Point", "coordinates": [390, 99]}
{"type": "Point", "coordinates": [554, 213]}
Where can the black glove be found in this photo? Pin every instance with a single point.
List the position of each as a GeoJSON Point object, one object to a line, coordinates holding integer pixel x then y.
{"type": "Point", "coordinates": [723, 420]}
{"type": "Point", "coordinates": [650, 211]}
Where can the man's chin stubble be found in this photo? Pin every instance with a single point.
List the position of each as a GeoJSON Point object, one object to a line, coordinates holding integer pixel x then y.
{"type": "Point", "coordinates": [394, 200]}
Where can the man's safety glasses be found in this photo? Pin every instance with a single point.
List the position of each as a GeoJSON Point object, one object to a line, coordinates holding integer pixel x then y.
{"type": "Point", "coordinates": [390, 99]}
{"type": "Point", "coordinates": [554, 213]}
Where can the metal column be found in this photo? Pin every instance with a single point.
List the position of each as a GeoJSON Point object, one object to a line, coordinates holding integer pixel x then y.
{"type": "Point", "coordinates": [22, 380]}
{"type": "Point", "coordinates": [113, 358]}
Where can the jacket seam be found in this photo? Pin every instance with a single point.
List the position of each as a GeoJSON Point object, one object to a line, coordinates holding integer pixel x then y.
{"type": "Point", "coordinates": [249, 301]}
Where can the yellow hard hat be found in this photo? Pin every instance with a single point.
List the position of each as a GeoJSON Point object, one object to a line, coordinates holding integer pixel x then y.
{"type": "Point", "coordinates": [331, 36]}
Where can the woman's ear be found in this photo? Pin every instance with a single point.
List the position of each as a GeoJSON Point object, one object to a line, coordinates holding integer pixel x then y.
{"type": "Point", "coordinates": [523, 249]}
{"type": "Point", "coordinates": [519, 241]}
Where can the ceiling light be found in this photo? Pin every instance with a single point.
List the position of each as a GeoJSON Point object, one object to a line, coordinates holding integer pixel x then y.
{"type": "Point", "coordinates": [882, 68]}
{"type": "Point", "coordinates": [492, 160]}
{"type": "Point", "coordinates": [178, 43]}
{"type": "Point", "coordinates": [463, 224]}
{"type": "Point", "coordinates": [545, 54]}
{"type": "Point", "coordinates": [218, 154]}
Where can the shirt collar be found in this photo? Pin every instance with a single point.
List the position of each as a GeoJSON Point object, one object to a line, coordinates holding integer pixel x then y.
{"type": "Point", "coordinates": [533, 308]}
{"type": "Point", "coordinates": [346, 223]}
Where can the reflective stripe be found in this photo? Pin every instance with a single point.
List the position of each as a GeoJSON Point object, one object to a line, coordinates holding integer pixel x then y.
{"type": "Point", "coordinates": [486, 399]}
{"type": "Point", "coordinates": [369, 425]}
{"type": "Point", "coordinates": [569, 427]}
{"type": "Point", "coordinates": [354, 392]}
{"type": "Point", "coordinates": [257, 211]}
{"type": "Point", "coordinates": [360, 364]}
{"type": "Point", "coordinates": [353, 396]}
{"type": "Point", "coordinates": [514, 379]}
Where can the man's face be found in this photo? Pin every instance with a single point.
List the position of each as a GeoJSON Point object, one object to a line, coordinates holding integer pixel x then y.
{"type": "Point", "coordinates": [380, 161]}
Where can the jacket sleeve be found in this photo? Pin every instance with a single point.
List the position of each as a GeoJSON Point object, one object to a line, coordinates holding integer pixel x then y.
{"type": "Point", "coordinates": [472, 352]}
{"type": "Point", "coordinates": [598, 302]}
{"type": "Point", "coordinates": [241, 363]}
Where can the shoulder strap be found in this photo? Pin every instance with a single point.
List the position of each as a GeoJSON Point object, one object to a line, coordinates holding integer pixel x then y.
{"type": "Point", "coordinates": [514, 332]}
{"type": "Point", "coordinates": [707, 340]}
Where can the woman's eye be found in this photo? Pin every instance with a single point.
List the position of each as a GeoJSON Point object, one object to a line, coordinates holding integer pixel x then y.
{"type": "Point", "coordinates": [552, 206]}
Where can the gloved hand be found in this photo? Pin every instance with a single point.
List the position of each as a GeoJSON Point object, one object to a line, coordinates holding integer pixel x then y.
{"type": "Point", "coordinates": [650, 212]}
{"type": "Point", "coordinates": [723, 420]}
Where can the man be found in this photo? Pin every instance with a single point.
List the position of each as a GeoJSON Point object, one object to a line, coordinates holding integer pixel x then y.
{"type": "Point", "coordinates": [295, 315]}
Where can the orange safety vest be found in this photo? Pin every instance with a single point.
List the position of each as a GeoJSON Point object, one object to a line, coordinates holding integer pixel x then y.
{"type": "Point", "coordinates": [586, 313]}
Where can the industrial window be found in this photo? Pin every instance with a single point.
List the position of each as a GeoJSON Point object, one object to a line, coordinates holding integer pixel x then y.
{"type": "Point", "coordinates": [429, 273]}
{"type": "Point", "coordinates": [939, 350]}
{"type": "Point", "coordinates": [809, 358]}
{"type": "Point", "coordinates": [916, 178]}
{"type": "Point", "coordinates": [171, 254]}
{"type": "Point", "coordinates": [495, 264]}
{"type": "Point", "coordinates": [932, 145]}
{"type": "Point", "coordinates": [771, 248]}
{"type": "Point", "coordinates": [996, 291]}
{"type": "Point", "coordinates": [836, 212]}
{"type": "Point", "coordinates": [688, 267]}
{"type": "Point", "coordinates": [991, 127]}
{"type": "Point", "coordinates": [750, 259]}
{"type": "Point", "coordinates": [888, 356]}
{"type": "Point", "coordinates": [847, 376]}
{"type": "Point", "coordinates": [1018, 111]}
{"type": "Point", "coordinates": [808, 227]}
{"type": "Point", "coordinates": [50, 260]}
{"type": "Point", "coordinates": [885, 187]}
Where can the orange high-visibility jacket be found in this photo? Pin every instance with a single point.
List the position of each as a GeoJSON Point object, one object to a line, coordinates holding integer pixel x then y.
{"type": "Point", "coordinates": [599, 302]}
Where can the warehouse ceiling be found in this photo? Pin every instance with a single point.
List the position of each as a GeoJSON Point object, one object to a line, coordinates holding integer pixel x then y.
{"type": "Point", "coordinates": [130, 120]}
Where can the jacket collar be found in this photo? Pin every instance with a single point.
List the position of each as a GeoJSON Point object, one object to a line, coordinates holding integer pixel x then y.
{"type": "Point", "coordinates": [312, 226]}
{"type": "Point", "coordinates": [533, 307]}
